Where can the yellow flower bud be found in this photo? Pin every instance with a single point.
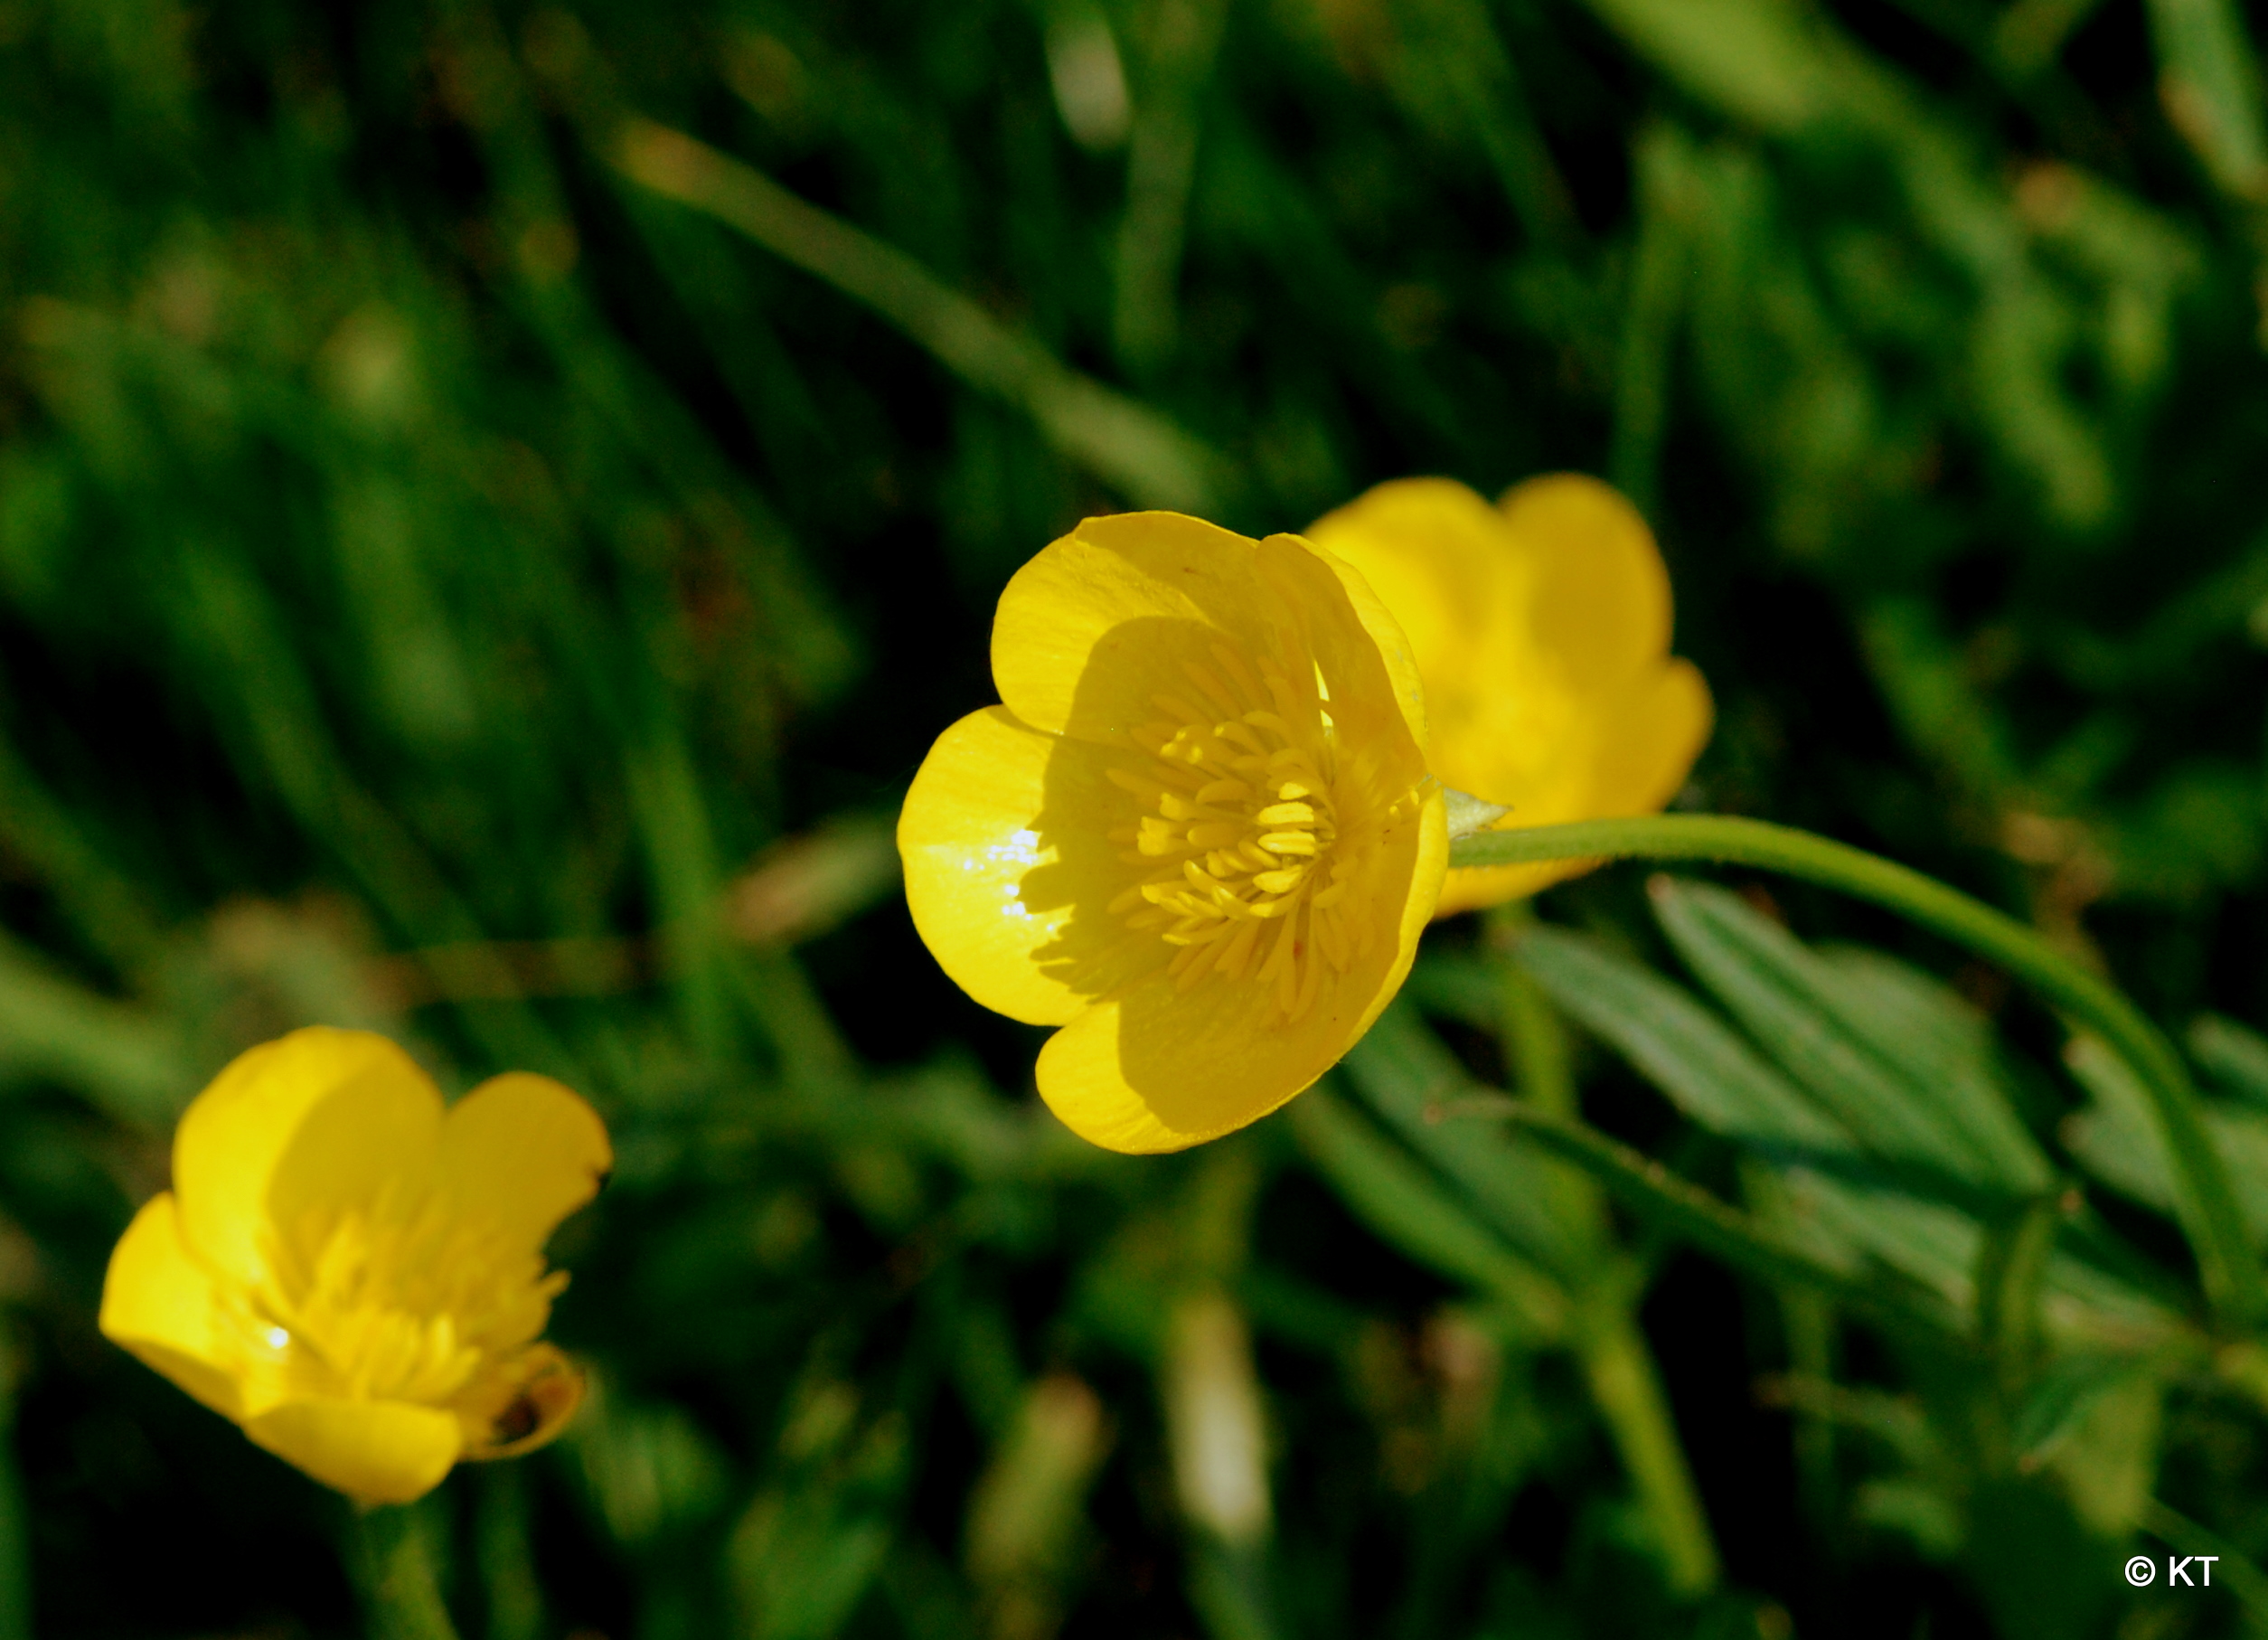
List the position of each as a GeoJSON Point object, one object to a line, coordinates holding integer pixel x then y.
{"type": "Point", "coordinates": [1198, 833]}
{"type": "Point", "coordinates": [1541, 629]}
{"type": "Point", "coordinates": [354, 1274]}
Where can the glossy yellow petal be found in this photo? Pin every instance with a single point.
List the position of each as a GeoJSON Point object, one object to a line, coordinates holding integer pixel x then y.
{"type": "Point", "coordinates": [1636, 756]}
{"type": "Point", "coordinates": [1010, 868]}
{"type": "Point", "coordinates": [1649, 740]}
{"type": "Point", "coordinates": [1601, 603]}
{"type": "Point", "coordinates": [1366, 662]}
{"type": "Point", "coordinates": [1102, 624]}
{"type": "Point", "coordinates": [160, 1304]}
{"type": "Point", "coordinates": [1445, 563]}
{"type": "Point", "coordinates": [307, 1124]}
{"type": "Point", "coordinates": [1102, 621]}
{"type": "Point", "coordinates": [1436, 554]}
{"type": "Point", "coordinates": [527, 1408]}
{"type": "Point", "coordinates": [1161, 1068]}
{"type": "Point", "coordinates": [521, 1153]}
{"type": "Point", "coordinates": [376, 1451]}
{"type": "Point", "coordinates": [348, 1273]}
{"type": "Point", "coordinates": [1542, 629]}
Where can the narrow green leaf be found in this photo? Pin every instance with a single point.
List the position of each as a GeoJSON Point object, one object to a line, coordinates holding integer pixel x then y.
{"type": "Point", "coordinates": [1930, 1245]}
{"type": "Point", "coordinates": [2115, 1139]}
{"type": "Point", "coordinates": [1692, 1214]}
{"type": "Point", "coordinates": [2209, 80]}
{"type": "Point", "coordinates": [1121, 441]}
{"type": "Point", "coordinates": [1708, 1070]}
{"type": "Point", "coordinates": [1751, 58]}
{"type": "Point", "coordinates": [2011, 1272]}
{"type": "Point", "coordinates": [1451, 985]}
{"type": "Point", "coordinates": [1410, 1208]}
{"type": "Point", "coordinates": [1404, 1073]}
{"type": "Point", "coordinates": [2236, 1055]}
{"type": "Point", "coordinates": [1895, 1063]}
{"type": "Point", "coordinates": [130, 1064]}
{"type": "Point", "coordinates": [2057, 1404]}
{"type": "Point", "coordinates": [1947, 1049]}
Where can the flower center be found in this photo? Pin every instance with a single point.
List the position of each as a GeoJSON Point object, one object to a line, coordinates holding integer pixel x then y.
{"type": "Point", "coordinates": [397, 1302]}
{"type": "Point", "coordinates": [1247, 855]}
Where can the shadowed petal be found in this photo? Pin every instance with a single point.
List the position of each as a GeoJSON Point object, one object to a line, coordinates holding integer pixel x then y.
{"type": "Point", "coordinates": [1161, 1068]}
{"type": "Point", "coordinates": [1649, 739]}
{"type": "Point", "coordinates": [1366, 660]}
{"type": "Point", "coordinates": [523, 1410]}
{"type": "Point", "coordinates": [1437, 555]}
{"type": "Point", "coordinates": [1103, 621]}
{"type": "Point", "coordinates": [306, 1124]}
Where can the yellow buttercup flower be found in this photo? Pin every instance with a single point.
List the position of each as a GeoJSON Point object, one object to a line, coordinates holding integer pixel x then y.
{"type": "Point", "coordinates": [354, 1274]}
{"type": "Point", "coordinates": [1198, 833]}
{"type": "Point", "coordinates": [1541, 628]}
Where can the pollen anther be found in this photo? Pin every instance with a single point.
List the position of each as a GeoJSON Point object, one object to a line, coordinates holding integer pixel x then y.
{"type": "Point", "coordinates": [1238, 816]}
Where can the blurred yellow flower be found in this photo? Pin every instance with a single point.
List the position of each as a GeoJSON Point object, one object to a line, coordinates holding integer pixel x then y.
{"type": "Point", "coordinates": [1541, 628]}
{"type": "Point", "coordinates": [354, 1274]}
{"type": "Point", "coordinates": [1199, 836]}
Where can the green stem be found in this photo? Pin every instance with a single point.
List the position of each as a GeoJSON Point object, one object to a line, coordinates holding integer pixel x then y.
{"type": "Point", "coordinates": [1122, 442]}
{"type": "Point", "coordinates": [2011, 1272]}
{"type": "Point", "coordinates": [401, 1595]}
{"type": "Point", "coordinates": [1628, 1390]}
{"type": "Point", "coordinates": [1808, 1319]}
{"type": "Point", "coordinates": [1693, 1215]}
{"type": "Point", "coordinates": [2209, 1216]}
{"type": "Point", "coordinates": [1624, 1383]}
{"type": "Point", "coordinates": [513, 1593]}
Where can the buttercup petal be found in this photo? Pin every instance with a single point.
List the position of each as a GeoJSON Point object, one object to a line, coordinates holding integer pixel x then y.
{"type": "Point", "coordinates": [1632, 757]}
{"type": "Point", "coordinates": [530, 1408]}
{"type": "Point", "coordinates": [1366, 661]}
{"type": "Point", "coordinates": [1102, 622]}
{"type": "Point", "coordinates": [1161, 1069]}
{"type": "Point", "coordinates": [1649, 739]}
{"type": "Point", "coordinates": [1206, 741]}
{"type": "Point", "coordinates": [1009, 868]}
{"type": "Point", "coordinates": [1601, 596]}
{"type": "Point", "coordinates": [376, 1451]}
{"type": "Point", "coordinates": [1435, 553]}
{"type": "Point", "coordinates": [520, 1153]}
{"type": "Point", "coordinates": [1445, 563]}
{"type": "Point", "coordinates": [1470, 888]}
{"type": "Point", "coordinates": [1542, 629]}
{"type": "Point", "coordinates": [354, 1276]}
{"type": "Point", "coordinates": [314, 1121]}
{"type": "Point", "coordinates": [160, 1304]}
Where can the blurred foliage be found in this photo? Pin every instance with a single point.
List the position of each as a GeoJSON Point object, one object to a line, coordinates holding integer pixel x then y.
{"type": "Point", "coordinates": [495, 500]}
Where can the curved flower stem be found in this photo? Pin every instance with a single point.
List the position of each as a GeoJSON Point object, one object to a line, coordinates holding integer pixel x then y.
{"type": "Point", "coordinates": [1626, 1388]}
{"type": "Point", "coordinates": [1692, 1215]}
{"type": "Point", "coordinates": [402, 1597]}
{"type": "Point", "coordinates": [1625, 1384]}
{"type": "Point", "coordinates": [2209, 1216]}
